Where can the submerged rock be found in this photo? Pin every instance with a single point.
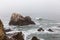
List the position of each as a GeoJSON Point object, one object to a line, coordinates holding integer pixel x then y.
{"type": "Point", "coordinates": [18, 36]}
{"type": "Point", "coordinates": [34, 38]}
{"type": "Point", "coordinates": [58, 26]}
{"type": "Point", "coordinates": [40, 29]}
{"type": "Point", "coordinates": [7, 30]}
{"type": "Point", "coordinates": [18, 19]}
{"type": "Point", "coordinates": [50, 30]}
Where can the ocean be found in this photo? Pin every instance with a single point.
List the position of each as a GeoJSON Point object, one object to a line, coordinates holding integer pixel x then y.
{"type": "Point", "coordinates": [31, 30]}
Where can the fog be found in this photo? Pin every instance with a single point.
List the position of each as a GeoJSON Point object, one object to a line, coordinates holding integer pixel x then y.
{"type": "Point", "coordinates": [48, 9]}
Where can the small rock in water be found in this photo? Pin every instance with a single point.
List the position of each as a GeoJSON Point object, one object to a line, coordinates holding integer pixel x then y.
{"type": "Point", "coordinates": [7, 30]}
{"type": "Point", "coordinates": [58, 26]}
{"type": "Point", "coordinates": [50, 30]}
{"type": "Point", "coordinates": [40, 29]}
{"type": "Point", "coordinates": [34, 38]}
{"type": "Point", "coordinates": [2, 32]}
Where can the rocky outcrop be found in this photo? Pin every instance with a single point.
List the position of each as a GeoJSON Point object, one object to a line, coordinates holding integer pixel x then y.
{"type": "Point", "coordinates": [6, 38]}
{"type": "Point", "coordinates": [18, 36]}
{"type": "Point", "coordinates": [34, 38]}
{"type": "Point", "coordinates": [18, 19]}
{"type": "Point", "coordinates": [40, 29]}
{"type": "Point", "coordinates": [50, 30]}
{"type": "Point", "coordinates": [2, 32]}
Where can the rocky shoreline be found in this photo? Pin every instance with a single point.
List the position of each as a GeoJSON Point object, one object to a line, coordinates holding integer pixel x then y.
{"type": "Point", "coordinates": [16, 19]}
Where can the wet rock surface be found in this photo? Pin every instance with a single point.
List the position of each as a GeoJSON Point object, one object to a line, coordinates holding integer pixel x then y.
{"type": "Point", "coordinates": [7, 30]}
{"type": "Point", "coordinates": [34, 38]}
{"type": "Point", "coordinates": [40, 29]}
{"type": "Point", "coordinates": [18, 36]}
{"type": "Point", "coordinates": [15, 36]}
{"type": "Point", "coordinates": [50, 30]}
{"type": "Point", "coordinates": [18, 19]}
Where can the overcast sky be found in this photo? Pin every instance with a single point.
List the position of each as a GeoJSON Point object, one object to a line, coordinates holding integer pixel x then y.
{"type": "Point", "coordinates": [49, 9]}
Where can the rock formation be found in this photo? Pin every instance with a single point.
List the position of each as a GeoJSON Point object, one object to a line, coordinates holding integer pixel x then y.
{"type": "Point", "coordinates": [4, 36]}
{"type": "Point", "coordinates": [18, 19]}
{"type": "Point", "coordinates": [18, 36]}
{"type": "Point", "coordinates": [2, 32]}
{"type": "Point", "coordinates": [50, 30]}
{"type": "Point", "coordinates": [40, 29]}
{"type": "Point", "coordinates": [7, 30]}
{"type": "Point", "coordinates": [34, 38]}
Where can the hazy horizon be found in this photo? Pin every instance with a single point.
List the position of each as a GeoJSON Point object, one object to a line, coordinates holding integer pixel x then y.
{"type": "Point", "coordinates": [49, 9]}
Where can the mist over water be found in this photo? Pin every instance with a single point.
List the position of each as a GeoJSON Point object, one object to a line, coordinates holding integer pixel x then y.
{"type": "Point", "coordinates": [49, 9]}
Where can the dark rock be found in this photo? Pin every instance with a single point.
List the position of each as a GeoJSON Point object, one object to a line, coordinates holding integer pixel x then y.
{"type": "Point", "coordinates": [58, 26]}
{"type": "Point", "coordinates": [34, 38]}
{"type": "Point", "coordinates": [12, 39]}
{"type": "Point", "coordinates": [7, 30]}
{"type": "Point", "coordinates": [28, 20]}
{"type": "Point", "coordinates": [6, 38]}
{"type": "Point", "coordinates": [50, 30]}
{"type": "Point", "coordinates": [18, 19]}
{"type": "Point", "coordinates": [40, 29]}
{"type": "Point", "coordinates": [18, 36]}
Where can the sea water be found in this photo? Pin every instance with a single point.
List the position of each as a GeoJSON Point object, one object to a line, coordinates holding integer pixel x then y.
{"type": "Point", "coordinates": [31, 30]}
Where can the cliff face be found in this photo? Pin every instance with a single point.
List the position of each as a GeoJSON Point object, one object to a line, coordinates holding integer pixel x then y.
{"type": "Point", "coordinates": [2, 32]}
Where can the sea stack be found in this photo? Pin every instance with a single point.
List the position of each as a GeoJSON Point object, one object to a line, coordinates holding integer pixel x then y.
{"type": "Point", "coordinates": [18, 19]}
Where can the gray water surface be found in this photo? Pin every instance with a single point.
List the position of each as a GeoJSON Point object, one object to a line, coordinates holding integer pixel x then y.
{"type": "Point", "coordinates": [31, 30]}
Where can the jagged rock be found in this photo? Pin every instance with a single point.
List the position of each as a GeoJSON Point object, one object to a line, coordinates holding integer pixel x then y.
{"type": "Point", "coordinates": [6, 38]}
{"type": "Point", "coordinates": [40, 29]}
{"type": "Point", "coordinates": [34, 38]}
{"type": "Point", "coordinates": [18, 19]}
{"type": "Point", "coordinates": [12, 39]}
{"type": "Point", "coordinates": [50, 30]}
{"type": "Point", "coordinates": [28, 20]}
{"type": "Point", "coordinates": [2, 32]}
{"type": "Point", "coordinates": [18, 36]}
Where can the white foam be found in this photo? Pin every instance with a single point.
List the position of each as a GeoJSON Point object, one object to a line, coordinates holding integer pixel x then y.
{"type": "Point", "coordinates": [11, 32]}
